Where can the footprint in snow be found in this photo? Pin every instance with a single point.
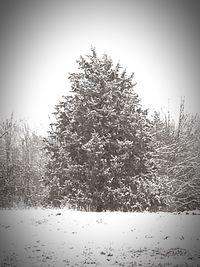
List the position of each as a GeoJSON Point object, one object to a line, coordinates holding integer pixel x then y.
{"type": "Point", "coordinates": [74, 233]}
{"type": "Point", "coordinates": [104, 253]}
{"type": "Point", "coordinates": [110, 254]}
{"type": "Point", "coordinates": [166, 237]}
{"type": "Point", "coordinates": [148, 236]}
{"type": "Point", "coordinates": [5, 226]}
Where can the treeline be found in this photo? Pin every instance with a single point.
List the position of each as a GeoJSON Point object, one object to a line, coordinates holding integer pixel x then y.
{"type": "Point", "coordinates": [102, 152]}
{"type": "Point", "coordinates": [25, 179]}
{"type": "Point", "coordinates": [22, 163]}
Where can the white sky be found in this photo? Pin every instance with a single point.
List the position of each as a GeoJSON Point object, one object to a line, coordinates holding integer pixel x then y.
{"type": "Point", "coordinates": [40, 42]}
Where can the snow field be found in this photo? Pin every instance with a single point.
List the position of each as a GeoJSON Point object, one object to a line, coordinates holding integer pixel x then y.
{"type": "Point", "coordinates": [60, 237]}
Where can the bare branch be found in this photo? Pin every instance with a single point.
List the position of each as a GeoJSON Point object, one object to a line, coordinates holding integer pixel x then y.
{"type": "Point", "coordinates": [6, 132]}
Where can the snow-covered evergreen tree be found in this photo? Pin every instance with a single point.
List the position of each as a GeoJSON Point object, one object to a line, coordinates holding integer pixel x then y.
{"type": "Point", "coordinates": [99, 147]}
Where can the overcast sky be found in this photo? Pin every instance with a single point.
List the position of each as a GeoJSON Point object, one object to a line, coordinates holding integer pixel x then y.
{"type": "Point", "coordinates": [40, 42]}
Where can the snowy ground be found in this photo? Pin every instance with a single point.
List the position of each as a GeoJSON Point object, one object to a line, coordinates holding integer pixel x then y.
{"type": "Point", "coordinates": [59, 237]}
